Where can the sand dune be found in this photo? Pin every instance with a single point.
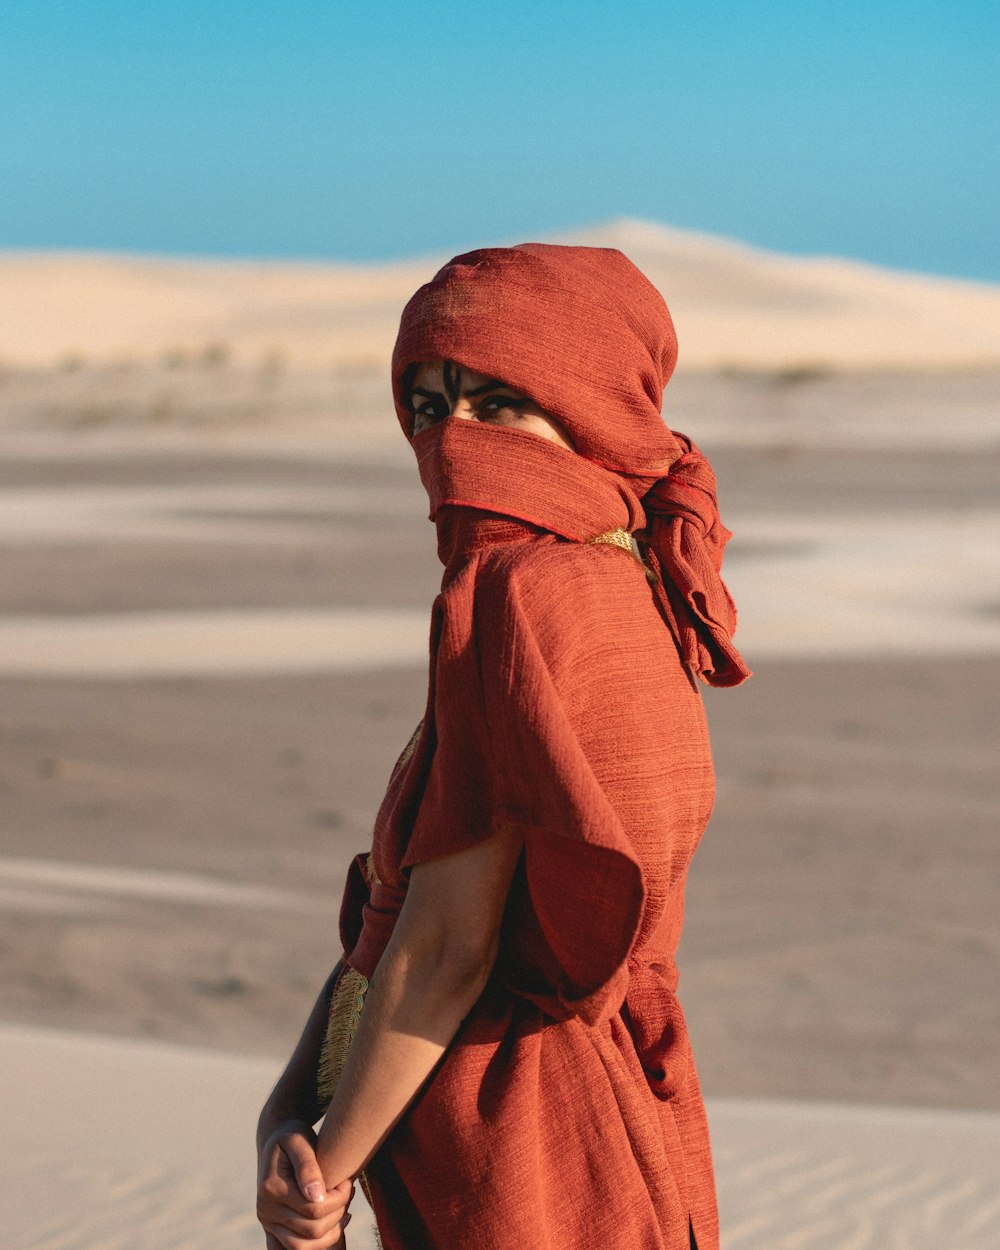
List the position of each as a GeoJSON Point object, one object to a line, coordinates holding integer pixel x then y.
{"type": "Point", "coordinates": [736, 306]}
{"type": "Point", "coordinates": [792, 1176]}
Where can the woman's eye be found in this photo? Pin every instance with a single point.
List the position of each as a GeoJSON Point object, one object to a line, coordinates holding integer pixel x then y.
{"type": "Point", "coordinates": [429, 410]}
{"type": "Point", "coordinates": [501, 403]}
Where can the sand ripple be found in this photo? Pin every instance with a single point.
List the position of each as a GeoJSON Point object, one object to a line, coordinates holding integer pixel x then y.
{"type": "Point", "coordinates": [829, 1177]}
{"type": "Point", "coordinates": [41, 885]}
{"type": "Point", "coordinates": [124, 1143]}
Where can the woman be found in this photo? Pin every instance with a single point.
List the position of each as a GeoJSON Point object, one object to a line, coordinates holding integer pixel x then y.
{"type": "Point", "coordinates": [520, 1072]}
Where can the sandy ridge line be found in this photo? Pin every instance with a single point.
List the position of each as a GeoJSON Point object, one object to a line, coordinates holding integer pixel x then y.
{"type": "Point", "coordinates": [190, 513]}
{"type": "Point", "coordinates": [217, 643]}
{"type": "Point", "coordinates": [174, 887]}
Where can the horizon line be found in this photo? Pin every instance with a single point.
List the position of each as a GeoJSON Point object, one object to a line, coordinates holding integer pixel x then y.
{"type": "Point", "coordinates": [317, 260]}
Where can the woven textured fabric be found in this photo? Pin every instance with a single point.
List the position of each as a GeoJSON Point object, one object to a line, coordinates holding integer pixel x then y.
{"type": "Point", "coordinates": [567, 1111]}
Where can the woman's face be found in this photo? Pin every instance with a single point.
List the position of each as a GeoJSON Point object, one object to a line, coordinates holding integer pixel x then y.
{"type": "Point", "coordinates": [442, 389]}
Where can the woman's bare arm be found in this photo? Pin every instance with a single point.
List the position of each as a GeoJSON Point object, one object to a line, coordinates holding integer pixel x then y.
{"type": "Point", "coordinates": [294, 1096]}
{"type": "Point", "coordinates": [294, 1204]}
{"type": "Point", "coordinates": [435, 967]}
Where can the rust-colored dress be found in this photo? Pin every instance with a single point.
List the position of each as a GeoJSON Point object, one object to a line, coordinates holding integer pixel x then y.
{"type": "Point", "coordinates": [566, 1113]}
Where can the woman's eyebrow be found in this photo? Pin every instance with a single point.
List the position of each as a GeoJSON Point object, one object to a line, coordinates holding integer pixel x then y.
{"type": "Point", "coordinates": [422, 390]}
{"type": "Point", "coordinates": [492, 385]}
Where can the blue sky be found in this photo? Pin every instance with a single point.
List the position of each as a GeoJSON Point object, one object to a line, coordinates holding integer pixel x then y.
{"type": "Point", "coordinates": [368, 130]}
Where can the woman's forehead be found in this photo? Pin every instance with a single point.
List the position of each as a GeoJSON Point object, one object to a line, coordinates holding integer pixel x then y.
{"type": "Point", "coordinates": [436, 375]}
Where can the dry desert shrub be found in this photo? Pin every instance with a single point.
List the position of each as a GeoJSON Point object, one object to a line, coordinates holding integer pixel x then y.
{"type": "Point", "coordinates": [215, 354]}
{"type": "Point", "coordinates": [801, 374]}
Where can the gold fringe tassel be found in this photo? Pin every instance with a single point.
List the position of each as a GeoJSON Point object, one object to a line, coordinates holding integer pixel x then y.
{"type": "Point", "coordinates": [345, 1013]}
{"type": "Point", "coordinates": [614, 538]}
{"type": "Point", "coordinates": [626, 541]}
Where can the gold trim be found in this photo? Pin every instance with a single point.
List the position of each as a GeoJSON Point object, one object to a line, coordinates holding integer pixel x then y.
{"type": "Point", "coordinates": [614, 538]}
{"type": "Point", "coordinates": [411, 746]}
{"type": "Point", "coordinates": [625, 540]}
{"type": "Point", "coordinates": [345, 1015]}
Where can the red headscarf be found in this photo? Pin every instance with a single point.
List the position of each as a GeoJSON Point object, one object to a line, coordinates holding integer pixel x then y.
{"type": "Point", "coordinates": [590, 339]}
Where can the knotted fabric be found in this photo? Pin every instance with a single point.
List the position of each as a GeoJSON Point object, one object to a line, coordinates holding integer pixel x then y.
{"type": "Point", "coordinates": [659, 1029]}
{"type": "Point", "coordinates": [590, 340]}
{"type": "Point", "coordinates": [685, 542]}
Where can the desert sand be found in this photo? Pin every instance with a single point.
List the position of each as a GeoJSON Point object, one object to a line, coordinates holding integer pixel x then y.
{"type": "Point", "coordinates": [213, 625]}
{"type": "Point", "coordinates": [795, 1173]}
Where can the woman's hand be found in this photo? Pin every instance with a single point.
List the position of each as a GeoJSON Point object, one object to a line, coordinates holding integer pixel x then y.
{"type": "Point", "coordinates": [294, 1206]}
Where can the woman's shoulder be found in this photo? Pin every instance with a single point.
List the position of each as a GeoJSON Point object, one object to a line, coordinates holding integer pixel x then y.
{"type": "Point", "coordinates": [550, 570]}
{"type": "Point", "coordinates": [564, 593]}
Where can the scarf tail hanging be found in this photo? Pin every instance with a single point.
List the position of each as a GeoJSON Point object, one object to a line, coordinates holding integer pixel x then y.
{"type": "Point", "coordinates": [685, 540]}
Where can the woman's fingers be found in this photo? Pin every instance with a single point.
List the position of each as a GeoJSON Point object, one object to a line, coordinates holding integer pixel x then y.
{"type": "Point", "coordinates": [289, 1240]}
{"type": "Point", "coordinates": [316, 1220]}
{"type": "Point", "coordinates": [303, 1227]}
{"type": "Point", "coordinates": [312, 1223]}
{"type": "Point", "coordinates": [294, 1206]}
{"type": "Point", "coordinates": [302, 1158]}
{"type": "Point", "coordinates": [291, 1175]}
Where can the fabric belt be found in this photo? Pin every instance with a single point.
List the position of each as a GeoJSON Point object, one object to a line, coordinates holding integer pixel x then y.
{"type": "Point", "coordinates": [658, 1028]}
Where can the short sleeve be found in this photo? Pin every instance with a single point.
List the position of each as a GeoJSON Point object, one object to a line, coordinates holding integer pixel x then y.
{"type": "Point", "coordinates": [457, 808]}
{"type": "Point", "coordinates": [506, 755]}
